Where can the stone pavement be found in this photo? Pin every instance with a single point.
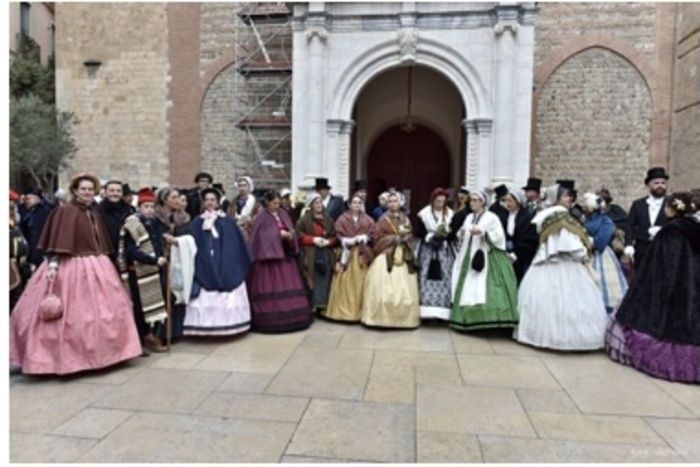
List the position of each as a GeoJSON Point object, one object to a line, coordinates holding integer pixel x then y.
{"type": "Point", "coordinates": [347, 393]}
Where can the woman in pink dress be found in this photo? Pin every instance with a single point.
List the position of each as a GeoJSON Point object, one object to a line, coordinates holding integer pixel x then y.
{"type": "Point", "coordinates": [96, 328]}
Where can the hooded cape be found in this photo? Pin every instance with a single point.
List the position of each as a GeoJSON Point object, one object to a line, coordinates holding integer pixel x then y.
{"type": "Point", "coordinates": [77, 230]}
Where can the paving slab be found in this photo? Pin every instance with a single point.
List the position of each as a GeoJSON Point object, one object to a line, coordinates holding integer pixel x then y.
{"type": "Point", "coordinates": [688, 395]}
{"type": "Point", "coordinates": [435, 447]}
{"type": "Point", "coordinates": [391, 383]}
{"type": "Point", "coordinates": [245, 383]}
{"type": "Point", "coordinates": [511, 449]}
{"type": "Point", "coordinates": [470, 344]}
{"type": "Point", "coordinates": [93, 423]}
{"type": "Point", "coordinates": [368, 431]}
{"type": "Point", "coordinates": [324, 372]}
{"type": "Point", "coordinates": [508, 371]}
{"type": "Point", "coordinates": [253, 406]}
{"type": "Point", "coordinates": [43, 406]}
{"type": "Point", "coordinates": [595, 428]}
{"type": "Point", "coordinates": [40, 448]}
{"type": "Point", "coordinates": [159, 437]}
{"type": "Point", "coordinates": [424, 339]}
{"type": "Point", "coordinates": [470, 410]}
{"type": "Point", "coordinates": [546, 400]}
{"type": "Point", "coordinates": [682, 435]}
{"type": "Point", "coordinates": [160, 390]}
{"type": "Point", "coordinates": [601, 386]}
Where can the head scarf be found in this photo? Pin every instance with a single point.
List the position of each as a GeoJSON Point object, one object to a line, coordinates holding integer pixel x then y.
{"type": "Point", "coordinates": [519, 196]}
{"type": "Point", "coordinates": [248, 180]}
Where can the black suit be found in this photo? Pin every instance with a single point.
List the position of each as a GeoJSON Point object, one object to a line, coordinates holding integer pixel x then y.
{"type": "Point", "coordinates": [501, 212]}
{"type": "Point", "coordinates": [523, 242]}
{"type": "Point", "coordinates": [336, 206]}
{"type": "Point", "coordinates": [638, 228]}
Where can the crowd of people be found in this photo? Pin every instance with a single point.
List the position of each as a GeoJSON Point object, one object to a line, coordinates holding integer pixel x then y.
{"type": "Point", "coordinates": [111, 274]}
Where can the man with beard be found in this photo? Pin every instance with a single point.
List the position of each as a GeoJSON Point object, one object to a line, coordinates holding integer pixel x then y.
{"type": "Point", "coordinates": [646, 216]}
{"type": "Point", "coordinates": [114, 210]}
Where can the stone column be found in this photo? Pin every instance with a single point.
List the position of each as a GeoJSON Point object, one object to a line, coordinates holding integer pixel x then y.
{"type": "Point", "coordinates": [505, 29]}
{"type": "Point", "coordinates": [339, 133]}
{"type": "Point", "coordinates": [478, 153]}
{"type": "Point", "coordinates": [316, 36]}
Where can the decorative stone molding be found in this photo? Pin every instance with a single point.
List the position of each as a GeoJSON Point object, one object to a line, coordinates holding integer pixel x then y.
{"type": "Point", "coordinates": [339, 132]}
{"type": "Point", "coordinates": [504, 25]}
{"type": "Point", "coordinates": [478, 133]}
{"type": "Point", "coordinates": [408, 44]}
{"type": "Point", "coordinates": [317, 31]}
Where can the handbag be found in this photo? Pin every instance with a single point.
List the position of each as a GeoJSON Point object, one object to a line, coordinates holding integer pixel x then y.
{"type": "Point", "coordinates": [50, 307]}
{"type": "Point", "coordinates": [479, 260]}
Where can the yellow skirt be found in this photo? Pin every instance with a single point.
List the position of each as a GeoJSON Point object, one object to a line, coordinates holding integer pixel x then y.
{"type": "Point", "coordinates": [345, 302]}
{"type": "Point", "coordinates": [391, 299]}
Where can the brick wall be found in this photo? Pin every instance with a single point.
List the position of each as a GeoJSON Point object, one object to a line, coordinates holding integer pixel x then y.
{"type": "Point", "coordinates": [685, 143]}
{"type": "Point", "coordinates": [122, 130]}
{"type": "Point", "coordinates": [593, 125]}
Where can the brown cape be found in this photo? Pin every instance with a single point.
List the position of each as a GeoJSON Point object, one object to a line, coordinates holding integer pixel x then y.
{"type": "Point", "coordinates": [75, 229]}
{"type": "Point", "coordinates": [346, 227]}
{"type": "Point", "coordinates": [305, 225]}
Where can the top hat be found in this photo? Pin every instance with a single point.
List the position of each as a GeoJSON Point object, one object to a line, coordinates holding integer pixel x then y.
{"type": "Point", "coordinates": [220, 187]}
{"type": "Point", "coordinates": [322, 184]}
{"type": "Point", "coordinates": [655, 172]}
{"type": "Point", "coordinates": [568, 184]}
{"type": "Point", "coordinates": [533, 184]}
{"type": "Point", "coordinates": [501, 191]}
{"type": "Point", "coordinates": [146, 195]}
{"type": "Point", "coordinates": [464, 190]}
{"type": "Point", "coordinates": [126, 190]}
{"type": "Point", "coordinates": [359, 185]}
{"type": "Point", "coordinates": [32, 190]}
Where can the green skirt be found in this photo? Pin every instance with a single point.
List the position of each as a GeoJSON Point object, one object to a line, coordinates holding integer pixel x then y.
{"type": "Point", "coordinates": [500, 309]}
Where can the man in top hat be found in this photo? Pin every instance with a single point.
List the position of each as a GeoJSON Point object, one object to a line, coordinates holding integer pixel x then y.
{"type": "Point", "coordinates": [334, 205]}
{"type": "Point", "coordinates": [646, 216]}
{"type": "Point", "coordinates": [37, 210]}
{"type": "Point", "coordinates": [532, 192]}
{"type": "Point", "coordinates": [204, 181]}
{"type": "Point", "coordinates": [497, 208]}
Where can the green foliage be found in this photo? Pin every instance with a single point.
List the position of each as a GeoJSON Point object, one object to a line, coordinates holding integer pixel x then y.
{"type": "Point", "coordinates": [28, 76]}
{"type": "Point", "coordinates": [41, 143]}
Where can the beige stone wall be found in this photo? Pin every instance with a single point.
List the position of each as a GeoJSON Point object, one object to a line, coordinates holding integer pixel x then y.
{"type": "Point", "coordinates": [593, 125]}
{"type": "Point", "coordinates": [122, 109]}
{"type": "Point", "coordinates": [685, 143]}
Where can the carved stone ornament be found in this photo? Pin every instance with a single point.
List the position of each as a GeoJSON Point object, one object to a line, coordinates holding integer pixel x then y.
{"type": "Point", "coordinates": [317, 31]}
{"type": "Point", "coordinates": [500, 27]}
{"type": "Point", "coordinates": [408, 44]}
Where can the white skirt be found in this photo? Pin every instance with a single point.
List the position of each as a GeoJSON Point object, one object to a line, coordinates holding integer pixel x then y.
{"type": "Point", "coordinates": [218, 313]}
{"type": "Point", "coordinates": [561, 307]}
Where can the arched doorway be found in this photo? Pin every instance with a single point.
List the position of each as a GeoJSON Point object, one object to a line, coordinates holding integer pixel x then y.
{"type": "Point", "coordinates": [416, 161]}
{"type": "Point", "coordinates": [431, 154]}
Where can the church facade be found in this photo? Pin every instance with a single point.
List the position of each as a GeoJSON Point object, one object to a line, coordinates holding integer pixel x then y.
{"type": "Point", "coordinates": [406, 93]}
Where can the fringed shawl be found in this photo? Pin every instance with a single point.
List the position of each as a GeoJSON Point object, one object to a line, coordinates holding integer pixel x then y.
{"type": "Point", "coordinates": [346, 227]}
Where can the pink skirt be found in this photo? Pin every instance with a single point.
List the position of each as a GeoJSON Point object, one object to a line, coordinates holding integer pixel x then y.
{"type": "Point", "coordinates": [96, 329]}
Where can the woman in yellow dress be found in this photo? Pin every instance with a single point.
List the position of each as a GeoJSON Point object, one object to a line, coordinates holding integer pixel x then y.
{"type": "Point", "coordinates": [353, 228]}
{"type": "Point", "coordinates": [391, 287]}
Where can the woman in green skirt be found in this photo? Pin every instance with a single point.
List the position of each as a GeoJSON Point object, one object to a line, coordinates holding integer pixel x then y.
{"type": "Point", "coordinates": [484, 287]}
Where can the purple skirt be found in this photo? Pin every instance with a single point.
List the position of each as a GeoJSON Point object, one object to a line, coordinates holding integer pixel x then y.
{"type": "Point", "coordinates": [278, 298]}
{"type": "Point", "coordinates": [665, 360]}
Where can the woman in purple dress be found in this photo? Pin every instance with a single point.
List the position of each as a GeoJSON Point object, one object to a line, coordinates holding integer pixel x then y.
{"type": "Point", "coordinates": [278, 298]}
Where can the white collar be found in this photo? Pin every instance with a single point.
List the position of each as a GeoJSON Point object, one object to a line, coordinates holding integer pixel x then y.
{"type": "Point", "coordinates": [654, 201]}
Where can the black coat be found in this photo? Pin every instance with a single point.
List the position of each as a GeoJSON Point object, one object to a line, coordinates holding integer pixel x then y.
{"type": "Point", "coordinates": [501, 212]}
{"type": "Point", "coordinates": [336, 206]}
{"type": "Point", "coordinates": [638, 228]}
{"type": "Point", "coordinates": [524, 242]}
{"type": "Point", "coordinates": [664, 300]}
{"type": "Point", "coordinates": [31, 225]}
{"type": "Point", "coordinates": [113, 215]}
{"type": "Point", "coordinates": [194, 203]}
{"type": "Point", "coordinates": [457, 222]}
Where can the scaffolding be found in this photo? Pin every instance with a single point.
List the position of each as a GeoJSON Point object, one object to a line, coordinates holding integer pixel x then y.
{"type": "Point", "coordinates": [263, 91]}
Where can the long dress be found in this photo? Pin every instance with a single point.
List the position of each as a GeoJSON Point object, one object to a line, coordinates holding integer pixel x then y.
{"type": "Point", "coordinates": [559, 303]}
{"type": "Point", "coordinates": [219, 305]}
{"type": "Point", "coordinates": [277, 294]}
{"type": "Point", "coordinates": [656, 329]}
{"type": "Point", "coordinates": [97, 327]}
{"type": "Point", "coordinates": [486, 298]}
{"type": "Point", "coordinates": [436, 258]}
{"type": "Point", "coordinates": [347, 288]}
{"type": "Point", "coordinates": [613, 284]}
{"type": "Point", "coordinates": [317, 263]}
{"type": "Point", "coordinates": [391, 286]}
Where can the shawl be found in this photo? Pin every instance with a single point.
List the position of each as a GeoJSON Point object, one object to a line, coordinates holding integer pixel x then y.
{"type": "Point", "coordinates": [221, 263]}
{"type": "Point", "coordinates": [305, 226]}
{"type": "Point", "coordinates": [245, 210]}
{"type": "Point", "coordinates": [266, 243]}
{"type": "Point", "coordinates": [172, 220]}
{"type": "Point", "coordinates": [346, 227]}
{"type": "Point", "coordinates": [601, 228]}
{"type": "Point", "coordinates": [552, 220]}
{"type": "Point", "coordinates": [75, 229]}
{"type": "Point", "coordinates": [384, 239]}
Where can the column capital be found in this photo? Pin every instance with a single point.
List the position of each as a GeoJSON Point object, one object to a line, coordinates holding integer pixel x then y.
{"type": "Point", "coordinates": [339, 126]}
{"type": "Point", "coordinates": [478, 125]}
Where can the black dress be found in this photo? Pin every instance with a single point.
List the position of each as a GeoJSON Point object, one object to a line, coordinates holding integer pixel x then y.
{"type": "Point", "coordinates": [523, 243]}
